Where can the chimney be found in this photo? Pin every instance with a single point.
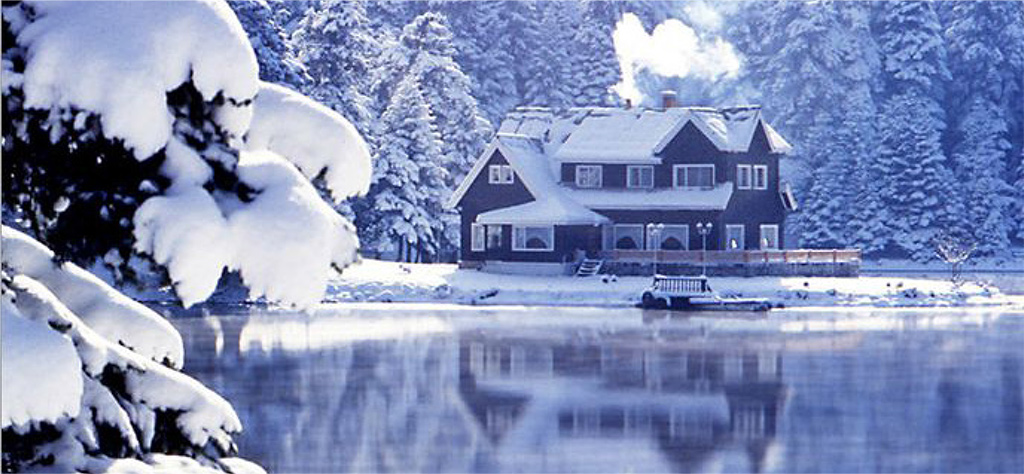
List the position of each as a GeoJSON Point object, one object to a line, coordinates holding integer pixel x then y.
{"type": "Point", "coordinates": [668, 99]}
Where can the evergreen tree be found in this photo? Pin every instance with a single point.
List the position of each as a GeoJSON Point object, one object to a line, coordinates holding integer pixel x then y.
{"type": "Point", "coordinates": [273, 52]}
{"type": "Point", "coordinates": [334, 43]}
{"type": "Point", "coordinates": [485, 51]}
{"type": "Point", "coordinates": [405, 192]}
{"type": "Point", "coordinates": [546, 77]}
{"type": "Point", "coordinates": [848, 142]}
{"type": "Point", "coordinates": [980, 127]}
{"type": "Point", "coordinates": [913, 177]}
{"type": "Point", "coordinates": [594, 68]}
{"type": "Point", "coordinates": [446, 89]}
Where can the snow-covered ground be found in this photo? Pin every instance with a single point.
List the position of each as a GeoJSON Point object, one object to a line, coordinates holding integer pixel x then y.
{"type": "Point", "coordinates": [374, 280]}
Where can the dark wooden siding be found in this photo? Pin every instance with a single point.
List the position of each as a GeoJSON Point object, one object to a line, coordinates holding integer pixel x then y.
{"type": "Point", "coordinates": [753, 207]}
{"type": "Point", "coordinates": [689, 147]}
{"type": "Point", "coordinates": [483, 196]}
{"type": "Point", "coordinates": [690, 218]}
{"type": "Point", "coordinates": [568, 239]}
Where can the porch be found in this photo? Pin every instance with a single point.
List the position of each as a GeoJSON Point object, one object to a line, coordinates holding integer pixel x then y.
{"type": "Point", "coordinates": [810, 262]}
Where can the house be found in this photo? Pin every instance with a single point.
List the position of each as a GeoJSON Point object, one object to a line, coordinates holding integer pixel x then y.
{"type": "Point", "coordinates": [619, 183]}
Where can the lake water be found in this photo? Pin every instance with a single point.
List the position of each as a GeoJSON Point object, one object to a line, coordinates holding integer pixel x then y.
{"type": "Point", "coordinates": [430, 389]}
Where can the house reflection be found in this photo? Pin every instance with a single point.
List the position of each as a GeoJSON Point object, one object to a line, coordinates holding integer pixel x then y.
{"type": "Point", "coordinates": [695, 405]}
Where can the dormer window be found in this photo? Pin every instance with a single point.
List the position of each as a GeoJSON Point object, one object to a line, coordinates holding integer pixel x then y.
{"type": "Point", "coordinates": [640, 176]}
{"type": "Point", "coordinates": [588, 176]}
{"type": "Point", "coordinates": [693, 176]}
{"type": "Point", "coordinates": [500, 174]}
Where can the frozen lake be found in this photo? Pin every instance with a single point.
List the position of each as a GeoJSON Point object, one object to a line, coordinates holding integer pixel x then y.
{"type": "Point", "coordinates": [426, 388]}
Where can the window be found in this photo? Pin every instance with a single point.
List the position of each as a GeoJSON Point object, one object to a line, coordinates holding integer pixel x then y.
{"type": "Point", "coordinates": [493, 236]}
{"type": "Point", "coordinates": [760, 177]}
{"type": "Point", "coordinates": [670, 237]}
{"type": "Point", "coordinates": [743, 176]}
{"type": "Point", "coordinates": [533, 238]}
{"type": "Point", "coordinates": [693, 176]}
{"type": "Point", "coordinates": [640, 176]}
{"type": "Point", "coordinates": [769, 237]}
{"type": "Point", "coordinates": [734, 237]}
{"type": "Point", "coordinates": [500, 174]}
{"type": "Point", "coordinates": [476, 237]}
{"type": "Point", "coordinates": [788, 199]}
{"type": "Point", "coordinates": [629, 236]}
{"type": "Point", "coordinates": [588, 176]}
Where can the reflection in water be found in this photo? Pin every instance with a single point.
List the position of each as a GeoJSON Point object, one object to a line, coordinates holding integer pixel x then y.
{"type": "Point", "coordinates": [680, 406]}
{"type": "Point", "coordinates": [440, 394]}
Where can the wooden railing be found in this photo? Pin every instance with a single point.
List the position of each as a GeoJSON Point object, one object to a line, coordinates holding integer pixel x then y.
{"type": "Point", "coordinates": [751, 257]}
{"type": "Point", "coordinates": [675, 284]}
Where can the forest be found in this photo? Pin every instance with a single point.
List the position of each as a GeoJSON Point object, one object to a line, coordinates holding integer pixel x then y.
{"type": "Point", "coordinates": [907, 117]}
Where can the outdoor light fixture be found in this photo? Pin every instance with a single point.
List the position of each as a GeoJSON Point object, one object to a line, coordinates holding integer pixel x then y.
{"type": "Point", "coordinates": [654, 234]}
{"type": "Point", "coordinates": [704, 228]}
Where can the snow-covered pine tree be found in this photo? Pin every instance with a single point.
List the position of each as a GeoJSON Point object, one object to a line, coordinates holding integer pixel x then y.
{"type": "Point", "coordinates": [147, 151]}
{"type": "Point", "coordinates": [979, 133]}
{"type": "Point", "coordinates": [485, 51]}
{"type": "Point", "coordinates": [834, 212]}
{"type": "Point", "coordinates": [408, 181]}
{"type": "Point", "coordinates": [447, 91]}
{"type": "Point", "coordinates": [333, 41]}
{"type": "Point", "coordinates": [913, 177]}
{"type": "Point", "coordinates": [546, 68]}
{"type": "Point", "coordinates": [277, 61]}
{"type": "Point", "coordinates": [858, 129]}
{"type": "Point", "coordinates": [594, 68]}
{"type": "Point", "coordinates": [109, 162]}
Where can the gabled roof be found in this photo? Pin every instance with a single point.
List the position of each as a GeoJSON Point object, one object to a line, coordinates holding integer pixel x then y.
{"type": "Point", "coordinates": [550, 205]}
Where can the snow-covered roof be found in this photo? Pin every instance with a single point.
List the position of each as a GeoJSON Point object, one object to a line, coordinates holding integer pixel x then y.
{"type": "Point", "coordinates": [714, 199]}
{"type": "Point", "coordinates": [543, 212]}
{"type": "Point", "coordinates": [551, 206]}
{"type": "Point", "coordinates": [636, 135]}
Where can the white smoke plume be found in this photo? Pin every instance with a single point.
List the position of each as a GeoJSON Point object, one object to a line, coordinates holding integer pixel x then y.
{"type": "Point", "coordinates": [672, 49]}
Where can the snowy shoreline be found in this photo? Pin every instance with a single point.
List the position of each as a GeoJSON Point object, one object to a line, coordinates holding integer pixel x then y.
{"type": "Point", "coordinates": [373, 281]}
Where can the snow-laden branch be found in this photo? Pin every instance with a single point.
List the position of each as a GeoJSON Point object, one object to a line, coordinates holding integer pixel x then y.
{"type": "Point", "coordinates": [87, 388]}
{"type": "Point", "coordinates": [119, 60]}
{"type": "Point", "coordinates": [284, 242]}
{"type": "Point", "coordinates": [313, 137]}
{"type": "Point", "coordinates": [113, 315]}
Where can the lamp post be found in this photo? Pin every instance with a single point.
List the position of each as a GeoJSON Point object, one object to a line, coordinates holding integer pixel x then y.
{"type": "Point", "coordinates": [704, 228]}
{"type": "Point", "coordinates": [653, 234]}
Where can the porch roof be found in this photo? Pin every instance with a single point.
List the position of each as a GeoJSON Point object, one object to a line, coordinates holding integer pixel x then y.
{"type": "Point", "coordinates": [547, 211]}
{"type": "Point", "coordinates": [715, 199]}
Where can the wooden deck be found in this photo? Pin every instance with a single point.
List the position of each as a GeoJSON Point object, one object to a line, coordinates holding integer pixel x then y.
{"type": "Point", "coordinates": [735, 257]}
{"type": "Point", "coordinates": [732, 262]}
